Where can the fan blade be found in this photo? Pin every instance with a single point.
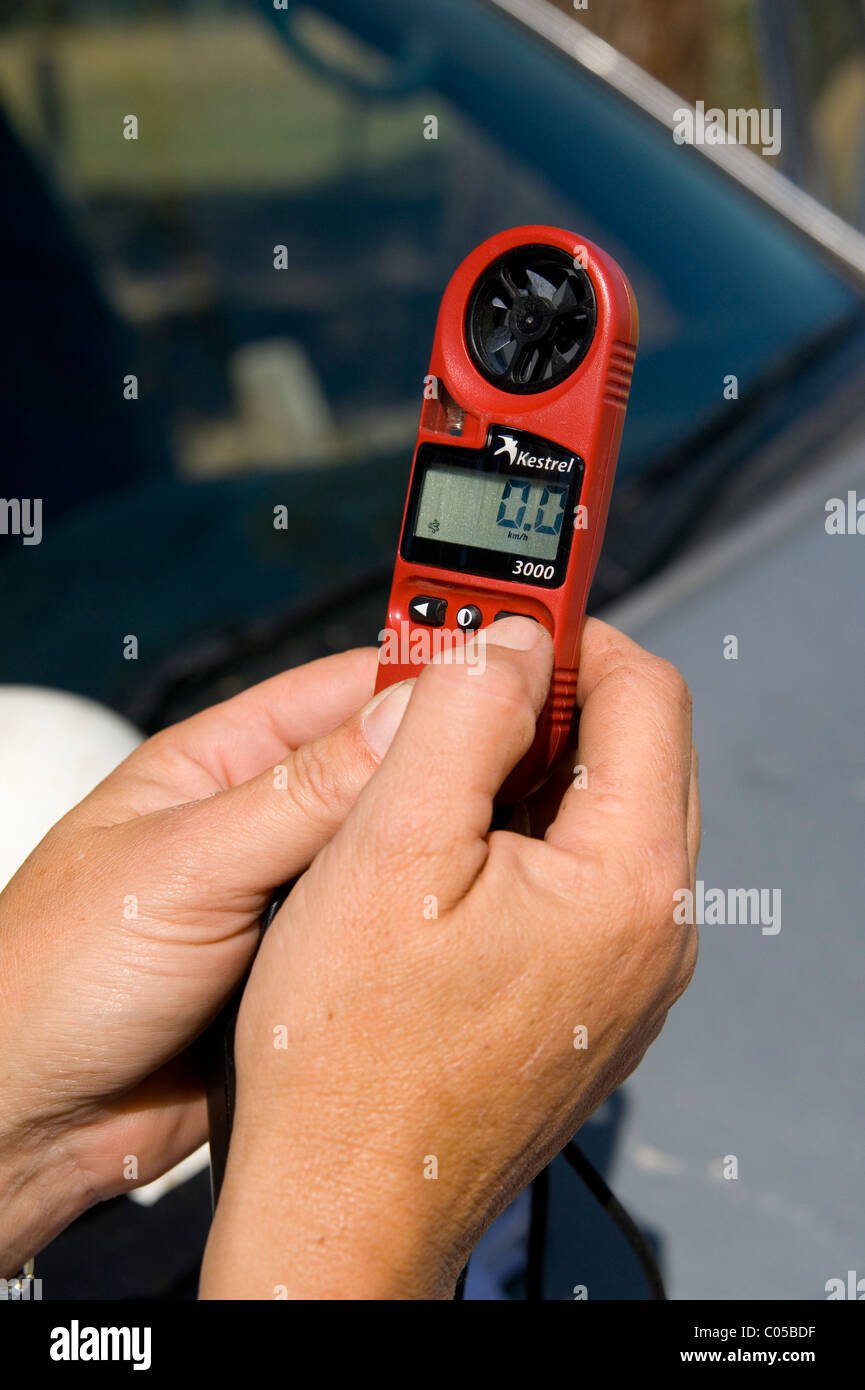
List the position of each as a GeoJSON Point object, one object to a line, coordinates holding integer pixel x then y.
{"type": "Point", "coordinates": [539, 285]}
{"type": "Point", "coordinates": [499, 339]}
{"type": "Point", "coordinates": [564, 297]}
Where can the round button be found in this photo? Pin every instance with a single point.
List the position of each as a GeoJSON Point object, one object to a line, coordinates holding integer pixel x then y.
{"type": "Point", "coordinates": [469, 617]}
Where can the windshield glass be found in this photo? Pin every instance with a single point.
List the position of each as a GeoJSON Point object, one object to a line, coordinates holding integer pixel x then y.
{"type": "Point", "coordinates": [376, 145]}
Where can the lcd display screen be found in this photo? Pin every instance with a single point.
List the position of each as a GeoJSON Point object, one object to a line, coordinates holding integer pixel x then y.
{"type": "Point", "coordinates": [493, 511]}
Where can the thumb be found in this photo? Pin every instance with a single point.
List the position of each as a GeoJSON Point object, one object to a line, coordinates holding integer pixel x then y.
{"type": "Point", "coordinates": [249, 839]}
{"type": "Point", "coordinates": [426, 817]}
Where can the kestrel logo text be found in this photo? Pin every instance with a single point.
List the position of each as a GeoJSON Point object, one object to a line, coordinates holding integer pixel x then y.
{"type": "Point", "coordinates": [524, 459]}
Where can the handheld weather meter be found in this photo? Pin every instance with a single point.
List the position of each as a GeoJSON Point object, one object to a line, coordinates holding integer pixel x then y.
{"type": "Point", "coordinates": [516, 452]}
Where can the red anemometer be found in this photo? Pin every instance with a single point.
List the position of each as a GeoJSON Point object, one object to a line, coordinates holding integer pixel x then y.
{"type": "Point", "coordinates": [513, 467]}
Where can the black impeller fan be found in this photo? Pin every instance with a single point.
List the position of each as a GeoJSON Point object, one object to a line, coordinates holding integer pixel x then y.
{"type": "Point", "coordinates": [530, 319]}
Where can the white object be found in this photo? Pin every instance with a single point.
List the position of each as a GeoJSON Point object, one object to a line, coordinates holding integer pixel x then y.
{"type": "Point", "coordinates": [55, 747]}
{"type": "Point", "coordinates": [181, 1172]}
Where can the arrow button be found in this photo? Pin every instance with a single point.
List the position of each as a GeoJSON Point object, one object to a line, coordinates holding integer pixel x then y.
{"type": "Point", "coordinates": [427, 610]}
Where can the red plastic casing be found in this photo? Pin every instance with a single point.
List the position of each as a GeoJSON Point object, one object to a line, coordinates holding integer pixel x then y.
{"type": "Point", "coordinates": [584, 416]}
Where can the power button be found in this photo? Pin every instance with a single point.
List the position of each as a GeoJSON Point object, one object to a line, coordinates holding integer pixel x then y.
{"type": "Point", "coordinates": [469, 618]}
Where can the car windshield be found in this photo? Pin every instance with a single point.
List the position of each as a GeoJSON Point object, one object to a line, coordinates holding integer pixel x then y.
{"type": "Point", "coordinates": [247, 216]}
{"type": "Point", "coordinates": [378, 156]}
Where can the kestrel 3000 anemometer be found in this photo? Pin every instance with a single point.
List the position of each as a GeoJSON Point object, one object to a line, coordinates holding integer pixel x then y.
{"type": "Point", "coordinates": [515, 456]}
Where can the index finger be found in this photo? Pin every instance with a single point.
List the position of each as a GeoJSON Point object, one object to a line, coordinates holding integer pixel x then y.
{"type": "Point", "coordinates": [244, 735]}
{"type": "Point", "coordinates": [240, 738]}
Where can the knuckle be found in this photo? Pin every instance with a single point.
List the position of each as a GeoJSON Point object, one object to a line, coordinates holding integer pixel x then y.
{"type": "Point", "coordinates": [507, 692]}
{"type": "Point", "coordinates": [316, 782]}
{"type": "Point", "coordinates": [670, 681]}
{"type": "Point", "coordinates": [630, 677]}
{"type": "Point", "coordinates": [503, 690]}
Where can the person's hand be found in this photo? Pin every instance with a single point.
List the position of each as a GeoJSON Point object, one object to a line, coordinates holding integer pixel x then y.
{"type": "Point", "coordinates": [409, 1046]}
{"type": "Point", "coordinates": [136, 917]}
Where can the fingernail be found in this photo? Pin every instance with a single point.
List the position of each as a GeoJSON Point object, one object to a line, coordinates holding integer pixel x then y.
{"type": "Point", "coordinates": [520, 634]}
{"type": "Point", "coordinates": [383, 716]}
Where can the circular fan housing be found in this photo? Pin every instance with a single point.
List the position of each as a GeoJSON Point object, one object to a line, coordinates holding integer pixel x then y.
{"type": "Point", "coordinates": [530, 319]}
